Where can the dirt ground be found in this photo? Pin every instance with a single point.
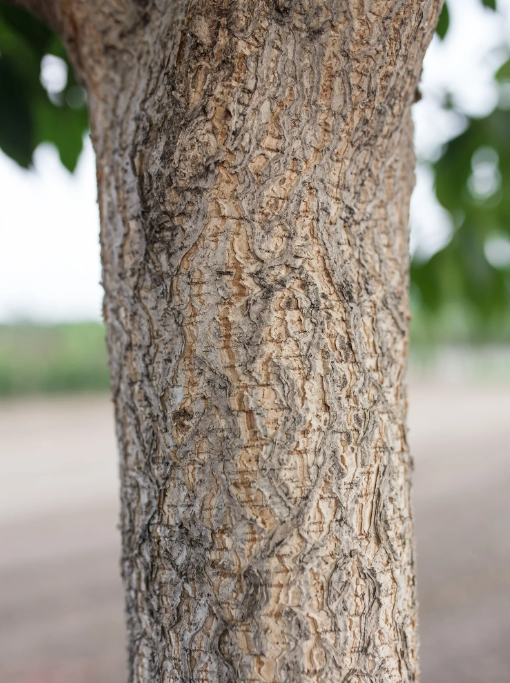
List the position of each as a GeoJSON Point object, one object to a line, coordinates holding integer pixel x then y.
{"type": "Point", "coordinates": [61, 615]}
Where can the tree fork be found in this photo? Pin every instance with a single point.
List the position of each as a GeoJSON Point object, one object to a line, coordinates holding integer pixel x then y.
{"type": "Point", "coordinates": [255, 166]}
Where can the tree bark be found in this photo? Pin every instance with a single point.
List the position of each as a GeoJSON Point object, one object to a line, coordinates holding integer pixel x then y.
{"type": "Point", "coordinates": [255, 166]}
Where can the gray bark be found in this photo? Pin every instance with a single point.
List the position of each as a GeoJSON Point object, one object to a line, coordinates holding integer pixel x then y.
{"type": "Point", "coordinates": [255, 166]}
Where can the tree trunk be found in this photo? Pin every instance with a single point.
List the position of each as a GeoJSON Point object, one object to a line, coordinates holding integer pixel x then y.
{"type": "Point", "coordinates": [255, 166]}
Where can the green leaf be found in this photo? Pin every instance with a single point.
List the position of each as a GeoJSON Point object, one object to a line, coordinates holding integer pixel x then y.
{"type": "Point", "coordinates": [26, 27]}
{"type": "Point", "coordinates": [489, 3]}
{"type": "Point", "coordinates": [503, 73]}
{"type": "Point", "coordinates": [63, 127]}
{"type": "Point", "coordinates": [443, 23]}
{"type": "Point", "coordinates": [16, 120]}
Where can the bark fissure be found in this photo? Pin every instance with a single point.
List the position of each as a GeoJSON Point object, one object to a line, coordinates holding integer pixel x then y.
{"type": "Point", "coordinates": [255, 166]}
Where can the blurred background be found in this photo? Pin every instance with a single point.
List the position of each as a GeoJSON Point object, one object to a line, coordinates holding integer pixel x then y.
{"type": "Point", "coordinates": [61, 612]}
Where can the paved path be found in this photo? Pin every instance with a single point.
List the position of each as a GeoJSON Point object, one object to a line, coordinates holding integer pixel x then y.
{"type": "Point", "coordinates": [460, 439]}
{"type": "Point", "coordinates": [60, 596]}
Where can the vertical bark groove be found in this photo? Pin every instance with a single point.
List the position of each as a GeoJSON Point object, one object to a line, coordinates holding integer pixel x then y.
{"type": "Point", "coordinates": [255, 166]}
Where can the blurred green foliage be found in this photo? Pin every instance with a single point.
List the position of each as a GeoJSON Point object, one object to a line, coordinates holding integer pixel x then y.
{"type": "Point", "coordinates": [52, 358]}
{"type": "Point", "coordinates": [473, 184]}
{"type": "Point", "coordinates": [462, 292]}
{"type": "Point", "coordinates": [29, 112]}
{"type": "Point", "coordinates": [444, 22]}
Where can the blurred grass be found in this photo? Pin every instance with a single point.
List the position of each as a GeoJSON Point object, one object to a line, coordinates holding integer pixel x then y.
{"type": "Point", "coordinates": [456, 324]}
{"type": "Point", "coordinates": [68, 357]}
{"type": "Point", "coordinates": [452, 344]}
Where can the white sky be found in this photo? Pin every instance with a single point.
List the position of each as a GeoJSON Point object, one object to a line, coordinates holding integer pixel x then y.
{"type": "Point", "coordinates": [49, 226]}
{"type": "Point", "coordinates": [49, 240]}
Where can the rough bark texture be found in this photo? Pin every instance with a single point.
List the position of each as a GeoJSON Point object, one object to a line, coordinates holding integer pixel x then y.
{"type": "Point", "coordinates": [255, 166]}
